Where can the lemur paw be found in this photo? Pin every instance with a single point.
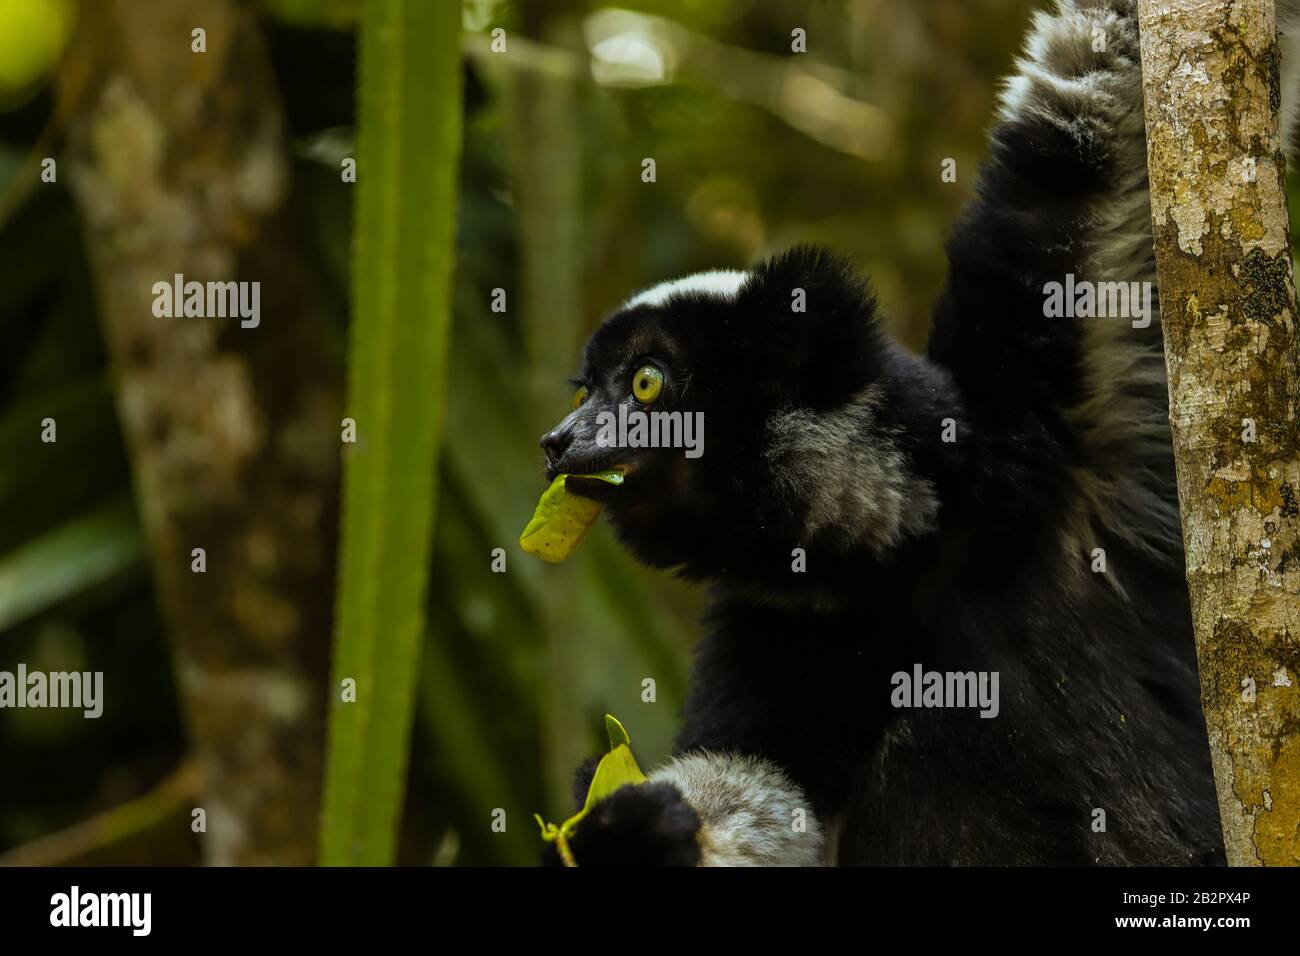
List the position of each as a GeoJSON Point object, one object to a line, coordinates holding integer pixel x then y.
{"type": "Point", "coordinates": [649, 824]}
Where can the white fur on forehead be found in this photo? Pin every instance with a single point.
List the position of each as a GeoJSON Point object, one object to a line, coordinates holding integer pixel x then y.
{"type": "Point", "coordinates": [724, 283]}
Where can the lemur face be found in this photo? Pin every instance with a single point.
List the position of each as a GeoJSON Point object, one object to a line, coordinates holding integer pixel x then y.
{"type": "Point", "coordinates": [637, 408]}
{"type": "Point", "coordinates": [679, 388]}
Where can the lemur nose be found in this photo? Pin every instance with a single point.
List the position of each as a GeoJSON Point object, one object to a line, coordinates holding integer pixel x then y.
{"type": "Point", "coordinates": [555, 442]}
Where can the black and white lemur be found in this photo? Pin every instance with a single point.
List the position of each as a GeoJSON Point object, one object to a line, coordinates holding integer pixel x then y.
{"type": "Point", "coordinates": [974, 554]}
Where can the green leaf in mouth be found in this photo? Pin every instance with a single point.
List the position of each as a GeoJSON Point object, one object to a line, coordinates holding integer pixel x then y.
{"type": "Point", "coordinates": [563, 518]}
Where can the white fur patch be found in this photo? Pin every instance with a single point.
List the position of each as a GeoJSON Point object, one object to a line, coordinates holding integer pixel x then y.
{"type": "Point", "coordinates": [720, 282]}
{"type": "Point", "coordinates": [849, 472]}
{"type": "Point", "coordinates": [747, 809]}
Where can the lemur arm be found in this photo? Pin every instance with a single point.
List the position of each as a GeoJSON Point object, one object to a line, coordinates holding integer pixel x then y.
{"type": "Point", "coordinates": [700, 809]}
{"type": "Point", "coordinates": [1063, 197]}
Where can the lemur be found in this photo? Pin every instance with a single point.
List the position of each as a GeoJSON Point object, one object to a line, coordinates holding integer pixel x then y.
{"type": "Point", "coordinates": [971, 554]}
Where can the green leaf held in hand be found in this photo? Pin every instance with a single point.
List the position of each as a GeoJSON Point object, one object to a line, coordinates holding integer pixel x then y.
{"type": "Point", "coordinates": [616, 769]}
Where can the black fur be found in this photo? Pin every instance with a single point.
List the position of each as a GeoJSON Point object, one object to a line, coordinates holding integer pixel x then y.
{"type": "Point", "coordinates": [649, 825]}
{"type": "Point", "coordinates": [1099, 694]}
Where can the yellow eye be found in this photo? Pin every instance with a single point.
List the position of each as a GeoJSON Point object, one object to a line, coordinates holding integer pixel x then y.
{"type": "Point", "coordinates": [647, 383]}
{"type": "Point", "coordinates": [580, 396]}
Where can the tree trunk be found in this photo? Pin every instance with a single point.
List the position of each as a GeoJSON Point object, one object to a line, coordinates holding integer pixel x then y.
{"type": "Point", "coordinates": [178, 165]}
{"type": "Point", "coordinates": [1218, 204]}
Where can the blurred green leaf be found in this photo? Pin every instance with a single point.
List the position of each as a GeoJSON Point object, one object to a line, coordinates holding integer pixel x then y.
{"type": "Point", "coordinates": [462, 727]}
{"type": "Point", "coordinates": [32, 38]}
{"type": "Point", "coordinates": [78, 555]}
{"type": "Point", "coordinates": [10, 162]}
{"type": "Point", "coordinates": [42, 483]}
{"type": "Point", "coordinates": [408, 147]}
{"type": "Point", "coordinates": [477, 700]}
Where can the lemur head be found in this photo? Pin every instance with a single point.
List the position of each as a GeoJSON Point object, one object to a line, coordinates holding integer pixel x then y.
{"type": "Point", "coordinates": [772, 389]}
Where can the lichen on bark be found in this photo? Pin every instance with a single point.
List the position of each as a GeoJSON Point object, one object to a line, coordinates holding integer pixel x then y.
{"type": "Point", "coordinates": [1223, 248]}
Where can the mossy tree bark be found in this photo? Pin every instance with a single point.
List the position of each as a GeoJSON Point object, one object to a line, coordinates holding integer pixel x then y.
{"type": "Point", "coordinates": [178, 163]}
{"type": "Point", "coordinates": [1218, 203]}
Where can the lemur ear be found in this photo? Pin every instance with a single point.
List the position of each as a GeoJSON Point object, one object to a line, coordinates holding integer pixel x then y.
{"type": "Point", "coordinates": [814, 323]}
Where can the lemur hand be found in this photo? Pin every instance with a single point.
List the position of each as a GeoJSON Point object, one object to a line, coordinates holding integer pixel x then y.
{"type": "Point", "coordinates": [649, 824]}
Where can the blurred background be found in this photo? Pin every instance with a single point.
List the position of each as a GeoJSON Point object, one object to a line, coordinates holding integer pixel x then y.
{"type": "Point", "coordinates": [231, 164]}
